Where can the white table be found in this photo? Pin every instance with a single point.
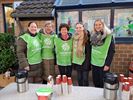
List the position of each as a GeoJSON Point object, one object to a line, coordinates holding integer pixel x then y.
{"type": "Point", "coordinates": [78, 93]}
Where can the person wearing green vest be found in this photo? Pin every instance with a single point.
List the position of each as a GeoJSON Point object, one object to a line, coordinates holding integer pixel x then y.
{"type": "Point", "coordinates": [29, 53]}
{"type": "Point", "coordinates": [102, 52]}
{"type": "Point", "coordinates": [81, 54]}
{"type": "Point", "coordinates": [48, 54]}
{"type": "Point", "coordinates": [63, 49]}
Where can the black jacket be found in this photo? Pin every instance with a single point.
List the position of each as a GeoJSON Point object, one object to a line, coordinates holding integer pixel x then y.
{"type": "Point", "coordinates": [110, 54]}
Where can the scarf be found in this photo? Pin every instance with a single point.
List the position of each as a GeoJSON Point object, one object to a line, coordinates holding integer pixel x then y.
{"type": "Point", "coordinates": [97, 38]}
{"type": "Point", "coordinates": [79, 38]}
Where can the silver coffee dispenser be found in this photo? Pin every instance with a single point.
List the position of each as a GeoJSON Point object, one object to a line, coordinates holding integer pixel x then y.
{"type": "Point", "coordinates": [111, 85]}
{"type": "Point", "coordinates": [22, 81]}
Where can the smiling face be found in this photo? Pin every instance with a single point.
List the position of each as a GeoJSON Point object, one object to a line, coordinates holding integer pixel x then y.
{"type": "Point", "coordinates": [79, 28]}
{"type": "Point", "coordinates": [98, 26]}
{"type": "Point", "coordinates": [64, 31]}
{"type": "Point", "coordinates": [32, 28]}
{"type": "Point", "coordinates": [48, 28]}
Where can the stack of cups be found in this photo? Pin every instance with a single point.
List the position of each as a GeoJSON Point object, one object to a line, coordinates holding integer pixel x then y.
{"type": "Point", "coordinates": [63, 85]}
{"type": "Point", "coordinates": [58, 85]}
{"type": "Point", "coordinates": [121, 80]}
{"type": "Point", "coordinates": [125, 88]}
{"type": "Point", "coordinates": [69, 85]}
{"type": "Point", "coordinates": [130, 79]}
{"type": "Point", "coordinates": [125, 91]}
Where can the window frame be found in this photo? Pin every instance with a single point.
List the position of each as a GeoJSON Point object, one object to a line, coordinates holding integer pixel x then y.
{"type": "Point", "coordinates": [118, 40]}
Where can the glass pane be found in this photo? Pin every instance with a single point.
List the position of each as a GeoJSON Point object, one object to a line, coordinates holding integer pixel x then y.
{"type": "Point", "coordinates": [88, 17]}
{"type": "Point", "coordinates": [9, 22]}
{"type": "Point", "coordinates": [123, 22]}
{"type": "Point", "coordinates": [71, 18]}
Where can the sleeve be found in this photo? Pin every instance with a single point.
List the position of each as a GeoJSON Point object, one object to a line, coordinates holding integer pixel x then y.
{"type": "Point", "coordinates": [21, 53]}
{"type": "Point", "coordinates": [88, 54]}
{"type": "Point", "coordinates": [110, 54]}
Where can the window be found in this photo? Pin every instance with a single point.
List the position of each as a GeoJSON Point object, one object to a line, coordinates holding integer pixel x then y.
{"type": "Point", "coordinates": [71, 18]}
{"type": "Point", "coordinates": [123, 22]}
{"type": "Point", "coordinates": [88, 17]}
{"type": "Point", "coordinates": [9, 22]}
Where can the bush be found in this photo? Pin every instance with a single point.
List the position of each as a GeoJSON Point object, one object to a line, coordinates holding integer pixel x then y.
{"type": "Point", "coordinates": [8, 56]}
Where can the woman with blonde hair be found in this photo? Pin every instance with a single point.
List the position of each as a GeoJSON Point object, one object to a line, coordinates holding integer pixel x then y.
{"type": "Point", "coordinates": [102, 51]}
{"type": "Point", "coordinates": [81, 54]}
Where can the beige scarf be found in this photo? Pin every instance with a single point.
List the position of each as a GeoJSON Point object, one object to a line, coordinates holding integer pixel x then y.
{"type": "Point", "coordinates": [79, 39]}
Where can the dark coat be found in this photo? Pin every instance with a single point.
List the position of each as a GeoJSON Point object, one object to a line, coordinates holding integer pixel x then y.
{"type": "Point", "coordinates": [35, 71]}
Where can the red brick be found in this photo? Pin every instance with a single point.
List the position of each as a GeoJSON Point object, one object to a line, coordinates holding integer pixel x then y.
{"type": "Point", "coordinates": [123, 55]}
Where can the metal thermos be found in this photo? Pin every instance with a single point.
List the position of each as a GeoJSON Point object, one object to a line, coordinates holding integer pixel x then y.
{"type": "Point", "coordinates": [22, 81]}
{"type": "Point", "coordinates": [111, 85]}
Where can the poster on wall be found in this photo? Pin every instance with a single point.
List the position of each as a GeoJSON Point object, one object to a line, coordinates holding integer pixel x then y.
{"type": "Point", "coordinates": [123, 23]}
{"type": "Point", "coordinates": [70, 18]}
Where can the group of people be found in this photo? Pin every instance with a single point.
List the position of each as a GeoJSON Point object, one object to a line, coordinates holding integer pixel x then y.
{"type": "Point", "coordinates": [39, 52]}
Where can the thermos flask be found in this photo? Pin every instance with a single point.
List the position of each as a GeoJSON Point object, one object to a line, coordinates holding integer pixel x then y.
{"type": "Point", "coordinates": [111, 85]}
{"type": "Point", "coordinates": [22, 81]}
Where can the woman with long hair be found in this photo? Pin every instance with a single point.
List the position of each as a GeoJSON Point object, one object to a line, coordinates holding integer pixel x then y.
{"type": "Point", "coordinates": [102, 51]}
{"type": "Point", "coordinates": [81, 54]}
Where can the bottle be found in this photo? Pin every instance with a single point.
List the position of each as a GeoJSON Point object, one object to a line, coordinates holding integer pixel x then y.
{"type": "Point", "coordinates": [125, 91]}
{"type": "Point", "coordinates": [64, 85]}
{"type": "Point", "coordinates": [58, 86]}
{"type": "Point", "coordinates": [69, 81]}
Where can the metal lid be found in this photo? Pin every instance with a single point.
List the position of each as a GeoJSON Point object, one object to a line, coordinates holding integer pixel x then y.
{"type": "Point", "coordinates": [22, 74]}
{"type": "Point", "coordinates": [111, 78]}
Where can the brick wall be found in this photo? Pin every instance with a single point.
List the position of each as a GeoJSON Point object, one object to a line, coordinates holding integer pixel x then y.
{"type": "Point", "coordinates": [123, 57]}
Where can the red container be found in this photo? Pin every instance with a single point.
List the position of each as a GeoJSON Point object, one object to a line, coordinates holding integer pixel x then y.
{"type": "Point", "coordinates": [125, 79]}
{"type": "Point", "coordinates": [59, 76]}
{"type": "Point", "coordinates": [58, 80]}
{"type": "Point", "coordinates": [64, 79]}
{"type": "Point", "coordinates": [121, 78]}
{"type": "Point", "coordinates": [69, 81]}
{"type": "Point", "coordinates": [130, 80]}
{"type": "Point", "coordinates": [125, 86]}
{"type": "Point", "coordinates": [42, 97]}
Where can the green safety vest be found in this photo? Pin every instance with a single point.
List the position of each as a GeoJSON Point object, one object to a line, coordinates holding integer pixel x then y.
{"type": "Point", "coordinates": [63, 51]}
{"type": "Point", "coordinates": [47, 46]}
{"type": "Point", "coordinates": [33, 48]}
{"type": "Point", "coordinates": [76, 59]}
{"type": "Point", "coordinates": [99, 53]}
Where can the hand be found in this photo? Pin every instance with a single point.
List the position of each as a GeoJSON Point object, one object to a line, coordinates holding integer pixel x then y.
{"type": "Point", "coordinates": [106, 68]}
{"type": "Point", "coordinates": [27, 68]}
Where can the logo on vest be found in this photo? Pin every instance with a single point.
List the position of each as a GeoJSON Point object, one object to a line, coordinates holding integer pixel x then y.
{"type": "Point", "coordinates": [36, 43]}
{"type": "Point", "coordinates": [47, 41]}
{"type": "Point", "coordinates": [65, 47]}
